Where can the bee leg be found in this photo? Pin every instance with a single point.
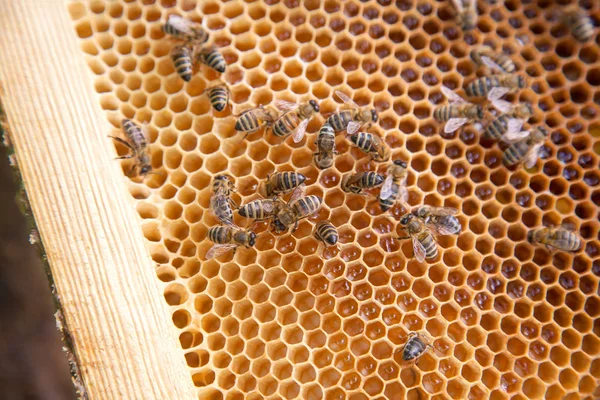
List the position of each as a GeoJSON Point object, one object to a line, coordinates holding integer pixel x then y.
{"type": "Point", "coordinates": [123, 142]}
{"type": "Point", "coordinates": [124, 157]}
{"type": "Point", "coordinates": [295, 227]}
{"type": "Point", "coordinates": [402, 237]}
{"type": "Point", "coordinates": [131, 170]}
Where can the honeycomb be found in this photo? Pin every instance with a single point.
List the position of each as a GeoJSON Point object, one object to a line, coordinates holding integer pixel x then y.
{"type": "Point", "coordinates": [283, 320]}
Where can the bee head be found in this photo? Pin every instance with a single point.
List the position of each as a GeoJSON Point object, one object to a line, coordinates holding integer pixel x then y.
{"type": "Point", "coordinates": [401, 163]}
{"type": "Point", "coordinates": [252, 239]}
{"type": "Point", "coordinates": [374, 115]}
{"type": "Point", "coordinates": [480, 112]}
{"type": "Point", "coordinates": [145, 169]}
{"type": "Point", "coordinates": [522, 82]}
{"type": "Point", "coordinates": [314, 105]}
{"type": "Point", "coordinates": [406, 218]}
{"type": "Point", "coordinates": [530, 235]}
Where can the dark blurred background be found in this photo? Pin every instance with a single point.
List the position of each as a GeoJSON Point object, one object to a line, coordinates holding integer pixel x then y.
{"type": "Point", "coordinates": [32, 364]}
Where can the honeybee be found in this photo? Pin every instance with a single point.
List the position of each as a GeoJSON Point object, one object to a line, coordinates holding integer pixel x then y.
{"type": "Point", "coordinates": [218, 96]}
{"type": "Point", "coordinates": [221, 203]}
{"type": "Point", "coordinates": [373, 145]}
{"type": "Point", "coordinates": [185, 29]}
{"type": "Point", "coordinates": [295, 118]}
{"type": "Point", "coordinates": [182, 60]}
{"type": "Point", "coordinates": [352, 119]}
{"type": "Point", "coordinates": [466, 16]}
{"type": "Point", "coordinates": [439, 219]}
{"type": "Point", "coordinates": [252, 120]}
{"type": "Point", "coordinates": [262, 209]}
{"type": "Point", "coordinates": [485, 55]}
{"type": "Point", "coordinates": [458, 112]}
{"type": "Point", "coordinates": [280, 183]}
{"type": "Point", "coordinates": [229, 237]}
{"type": "Point", "coordinates": [525, 145]}
{"type": "Point", "coordinates": [424, 244]}
{"type": "Point", "coordinates": [211, 57]}
{"type": "Point", "coordinates": [519, 113]}
{"type": "Point", "coordinates": [326, 233]}
{"type": "Point", "coordinates": [581, 25]}
{"type": "Point", "coordinates": [356, 183]}
{"type": "Point", "coordinates": [503, 83]}
{"type": "Point", "coordinates": [137, 142]}
{"type": "Point", "coordinates": [415, 347]}
{"type": "Point", "coordinates": [394, 187]}
{"type": "Point", "coordinates": [558, 237]}
{"type": "Point", "coordinates": [299, 207]}
{"type": "Point", "coordinates": [325, 147]}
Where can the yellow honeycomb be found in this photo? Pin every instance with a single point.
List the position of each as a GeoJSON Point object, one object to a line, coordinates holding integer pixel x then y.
{"type": "Point", "coordinates": [507, 320]}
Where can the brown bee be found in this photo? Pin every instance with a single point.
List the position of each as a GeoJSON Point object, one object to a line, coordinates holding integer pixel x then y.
{"type": "Point", "coordinates": [326, 233]}
{"type": "Point", "coordinates": [500, 84]}
{"type": "Point", "coordinates": [280, 183]}
{"type": "Point", "coordinates": [373, 145]}
{"type": "Point", "coordinates": [229, 237]}
{"type": "Point", "coordinates": [558, 237]}
{"type": "Point", "coordinates": [295, 118]}
{"type": "Point", "coordinates": [184, 29]}
{"type": "Point", "coordinates": [137, 142]}
{"type": "Point", "coordinates": [262, 209]}
{"type": "Point", "coordinates": [525, 145]}
{"type": "Point", "coordinates": [356, 183]}
{"type": "Point", "coordinates": [424, 243]}
{"type": "Point", "coordinates": [297, 208]}
{"type": "Point", "coordinates": [394, 187]}
{"type": "Point", "coordinates": [325, 147]}
{"type": "Point", "coordinates": [182, 60]}
{"type": "Point", "coordinates": [485, 55]}
{"type": "Point", "coordinates": [458, 112]}
{"type": "Point", "coordinates": [581, 25]}
{"type": "Point", "coordinates": [352, 119]}
{"type": "Point", "coordinates": [415, 347]}
{"type": "Point", "coordinates": [252, 120]}
{"type": "Point", "coordinates": [439, 219]}
{"type": "Point", "coordinates": [211, 57]}
{"type": "Point", "coordinates": [499, 126]}
{"type": "Point", "coordinates": [466, 16]}
{"type": "Point", "coordinates": [221, 203]}
{"type": "Point", "coordinates": [218, 96]}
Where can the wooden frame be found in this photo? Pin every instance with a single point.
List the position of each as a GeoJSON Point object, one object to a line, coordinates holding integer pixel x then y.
{"type": "Point", "coordinates": [123, 342]}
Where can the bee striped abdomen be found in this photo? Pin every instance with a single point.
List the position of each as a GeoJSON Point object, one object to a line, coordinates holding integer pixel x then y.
{"type": "Point", "coordinates": [363, 141]}
{"type": "Point", "coordinates": [582, 27]}
{"type": "Point", "coordinates": [573, 242]}
{"type": "Point", "coordinates": [134, 133]}
{"type": "Point", "coordinates": [286, 124]}
{"type": "Point", "coordinates": [220, 234]}
{"type": "Point", "coordinates": [326, 138]}
{"type": "Point", "coordinates": [515, 153]}
{"type": "Point", "coordinates": [247, 122]}
{"type": "Point", "coordinates": [182, 59]}
{"type": "Point", "coordinates": [252, 210]}
{"type": "Point", "coordinates": [445, 113]}
{"type": "Point", "coordinates": [413, 349]}
{"type": "Point", "coordinates": [215, 60]}
{"type": "Point", "coordinates": [505, 63]}
{"type": "Point", "coordinates": [497, 127]}
{"type": "Point", "coordinates": [388, 203]}
{"type": "Point", "coordinates": [370, 179]}
{"type": "Point", "coordinates": [219, 97]}
{"type": "Point", "coordinates": [306, 205]}
{"type": "Point", "coordinates": [289, 180]}
{"type": "Point", "coordinates": [339, 121]}
{"type": "Point", "coordinates": [428, 242]}
{"type": "Point", "coordinates": [481, 86]}
{"type": "Point", "coordinates": [327, 233]}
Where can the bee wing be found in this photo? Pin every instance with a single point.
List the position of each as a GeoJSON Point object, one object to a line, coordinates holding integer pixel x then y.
{"type": "Point", "coordinates": [146, 132]}
{"type": "Point", "coordinates": [442, 230]}
{"type": "Point", "coordinates": [218, 250]}
{"type": "Point", "coordinates": [443, 211]}
{"type": "Point", "coordinates": [568, 226]}
{"type": "Point", "coordinates": [297, 193]}
{"type": "Point", "coordinates": [454, 123]}
{"type": "Point", "coordinates": [179, 23]}
{"type": "Point", "coordinates": [491, 64]}
{"type": "Point", "coordinates": [347, 100]}
{"type": "Point", "coordinates": [452, 96]}
{"type": "Point", "coordinates": [352, 127]}
{"type": "Point", "coordinates": [458, 4]}
{"type": "Point", "coordinates": [502, 105]}
{"type": "Point", "coordinates": [386, 189]}
{"type": "Point", "coordinates": [300, 131]}
{"type": "Point", "coordinates": [418, 249]}
{"type": "Point", "coordinates": [268, 206]}
{"type": "Point", "coordinates": [497, 92]}
{"type": "Point", "coordinates": [533, 155]}
{"type": "Point", "coordinates": [285, 105]}
{"type": "Point", "coordinates": [403, 193]}
{"type": "Point", "coordinates": [514, 132]}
